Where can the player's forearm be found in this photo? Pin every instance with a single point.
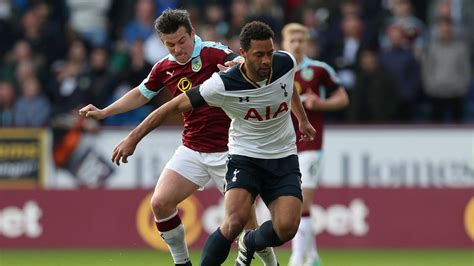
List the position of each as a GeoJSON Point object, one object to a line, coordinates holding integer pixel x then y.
{"type": "Point", "coordinates": [336, 101]}
{"type": "Point", "coordinates": [157, 117]}
{"type": "Point", "coordinates": [132, 100]}
{"type": "Point", "coordinates": [297, 108]}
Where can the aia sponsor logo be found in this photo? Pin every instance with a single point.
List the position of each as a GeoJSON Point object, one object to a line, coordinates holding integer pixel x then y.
{"type": "Point", "coordinates": [267, 114]}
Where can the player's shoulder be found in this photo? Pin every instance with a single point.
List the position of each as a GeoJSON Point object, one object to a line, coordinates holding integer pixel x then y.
{"type": "Point", "coordinates": [283, 62]}
{"type": "Point", "coordinates": [163, 64]}
{"type": "Point", "coordinates": [234, 80]}
{"type": "Point", "coordinates": [313, 63]}
{"type": "Point", "coordinates": [214, 52]}
{"type": "Point", "coordinates": [213, 46]}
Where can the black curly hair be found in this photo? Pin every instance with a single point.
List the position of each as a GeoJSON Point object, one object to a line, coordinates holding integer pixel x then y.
{"type": "Point", "coordinates": [255, 30]}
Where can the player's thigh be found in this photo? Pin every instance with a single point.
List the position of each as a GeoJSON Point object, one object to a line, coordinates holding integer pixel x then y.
{"type": "Point", "coordinates": [286, 213]}
{"type": "Point", "coordinates": [172, 188]}
{"type": "Point", "coordinates": [216, 165]}
{"type": "Point", "coordinates": [189, 164]}
{"type": "Point", "coordinates": [238, 211]}
{"type": "Point", "coordinates": [311, 167]}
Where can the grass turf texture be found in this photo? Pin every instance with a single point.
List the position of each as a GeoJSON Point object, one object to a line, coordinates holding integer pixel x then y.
{"type": "Point", "coordinates": [152, 258]}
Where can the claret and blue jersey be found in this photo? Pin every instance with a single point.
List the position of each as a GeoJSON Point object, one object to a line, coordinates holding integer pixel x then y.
{"type": "Point", "coordinates": [205, 128]}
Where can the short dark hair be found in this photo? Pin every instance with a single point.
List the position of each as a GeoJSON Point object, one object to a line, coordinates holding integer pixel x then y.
{"type": "Point", "coordinates": [254, 30]}
{"type": "Point", "coordinates": [171, 19]}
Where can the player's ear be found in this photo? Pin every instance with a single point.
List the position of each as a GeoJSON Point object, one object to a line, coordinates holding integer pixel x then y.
{"type": "Point", "coordinates": [193, 32]}
{"type": "Point", "coordinates": [242, 52]}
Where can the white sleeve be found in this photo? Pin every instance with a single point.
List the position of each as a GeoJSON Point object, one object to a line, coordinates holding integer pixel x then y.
{"type": "Point", "coordinates": [212, 90]}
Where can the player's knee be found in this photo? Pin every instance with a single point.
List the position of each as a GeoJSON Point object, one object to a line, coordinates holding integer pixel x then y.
{"type": "Point", "coordinates": [161, 206]}
{"type": "Point", "coordinates": [233, 225]}
{"type": "Point", "coordinates": [287, 229]}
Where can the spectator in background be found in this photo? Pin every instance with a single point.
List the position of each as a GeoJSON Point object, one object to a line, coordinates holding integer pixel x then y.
{"type": "Point", "coordinates": [400, 62]}
{"type": "Point", "coordinates": [69, 89]}
{"type": "Point", "coordinates": [138, 67]}
{"type": "Point", "coordinates": [215, 18]}
{"type": "Point", "coordinates": [142, 25]}
{"type": "Point", "coordinates": [133, 74]}
{"type": "Point", "coordinates": [446, 8]}
{"type": "Point", "coordinates": [32, 109]}
{"type": "Point", "coordinates": [89, 19]}
{"type": "Point", "coordinates": [153, 49]}
{"type": "Point", "coordinates": [162, 5]}
{"type": "Point", "coordinates": [239, 12]}
{"type": "Point", "coordinates": [374, 98]}
{"type": "Point", "coordinates": [467, 18]}
{"type": "Point", "coordinates": [45, 40]}
{"type": "Point", "coordinates": [268, 11]}
{"type": "Point", "coordinates": [22, 52]}
{"type": "Point", "coordinates": [344, 52]}
{"type": "Point", "coordinates": [7, 103]}
{"type": "Point", "coordinates": [412, 28]}
{"type": "Point", "coordinates": [6, 26]}
{"type": "Point", "coordinates": [99, 77]}
{"type": "Point", "coordinates": [446, 72]}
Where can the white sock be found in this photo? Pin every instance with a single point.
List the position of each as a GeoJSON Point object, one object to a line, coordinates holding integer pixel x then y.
{"type": "Point", "coordinates": [175, 240]}
{"type": "Point", "coordinates": [301, 243]}
{"type": "Point", "coordinates": [267, 256]}
{"type": "Point", "coordinates": [311, 251]}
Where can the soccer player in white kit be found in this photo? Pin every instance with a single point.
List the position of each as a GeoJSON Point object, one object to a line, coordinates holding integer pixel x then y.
{"type": "Point", "coordinates": [203, 154]}
{"type": "Point", "coordinates": [320, 91]}
{"type": "Point", "coordinates": [257, 96]}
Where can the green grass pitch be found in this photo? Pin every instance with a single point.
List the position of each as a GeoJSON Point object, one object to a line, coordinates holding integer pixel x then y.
{"type": "Point", "coordinates": [155, 258]}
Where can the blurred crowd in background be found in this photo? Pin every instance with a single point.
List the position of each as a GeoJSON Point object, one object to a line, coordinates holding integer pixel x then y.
{"type": "Point", "coordinates": [401, 61]}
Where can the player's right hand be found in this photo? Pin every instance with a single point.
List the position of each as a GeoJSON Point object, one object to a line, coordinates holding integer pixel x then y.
{"type": "Point", "coordinates": [91, 111]}
{"type": "Point", "coordinates": [123, 150]}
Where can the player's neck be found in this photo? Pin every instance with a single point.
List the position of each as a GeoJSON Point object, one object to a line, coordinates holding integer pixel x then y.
{"type": "Point", "coordinates": [299, 59]}
{"type": "Point", "coordinates": [252, 76]}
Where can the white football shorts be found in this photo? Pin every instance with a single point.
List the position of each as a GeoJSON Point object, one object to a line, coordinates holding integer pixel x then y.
{"type": "Point", "coordinates": [199, 167]}
{"type": "Point", "coordinates": [310, 167]}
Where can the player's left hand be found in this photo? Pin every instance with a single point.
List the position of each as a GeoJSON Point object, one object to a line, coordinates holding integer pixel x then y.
{"type": "Point", "coordinates": [307, 131]}
{"type": "Point", "coordinates": [231, 63]}
{"type": "Point", "coordinates": [123, 150]}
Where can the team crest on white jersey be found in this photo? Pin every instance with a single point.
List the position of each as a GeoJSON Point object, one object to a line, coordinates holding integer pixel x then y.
{"type": "Point", "coordinates": [196, 64]}
{"type": "Point", "coordinates": [283, 87]}
{"type": "Point", "coordinates": [307, 74]}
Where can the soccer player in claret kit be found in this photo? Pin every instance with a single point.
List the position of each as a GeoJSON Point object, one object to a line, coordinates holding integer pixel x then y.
{"type": "Point", "coordinates": [320, 91]}
{"type": "Point", "coordinates": [203, 154]}
{"type": "Point", "coordinates": [257, 95]}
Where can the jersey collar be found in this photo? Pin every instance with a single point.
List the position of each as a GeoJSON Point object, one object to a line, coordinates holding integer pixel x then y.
{"type": "Point", "coordinates": [305, 62]}
{"type": "Point", "coordinates": [196, 51]}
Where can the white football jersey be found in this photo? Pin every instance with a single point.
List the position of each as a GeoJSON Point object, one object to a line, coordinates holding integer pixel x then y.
{"type": "Point", "coordinates": [261, 124]}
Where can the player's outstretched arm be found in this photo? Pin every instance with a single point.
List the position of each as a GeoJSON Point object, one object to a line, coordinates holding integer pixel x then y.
{"type": "Point", "coordinates": [305, 127]}
{"type": "Point", "coordinates": [337, 100]}
{"type": "Point", "coordinates": [127, 146]}
{"type": "Point", "coordinates": [133, 99]}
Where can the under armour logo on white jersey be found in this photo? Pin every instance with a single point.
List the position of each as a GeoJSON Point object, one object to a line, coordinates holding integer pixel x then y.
{"type": "Point", "coordinates": [170, 73]}
{"type": "Point", "coordinates": [234, 178]}
{"type": "Point", "coordinates": [247, 99]}
{"type": "Point", "coordinates": [283, 87]}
